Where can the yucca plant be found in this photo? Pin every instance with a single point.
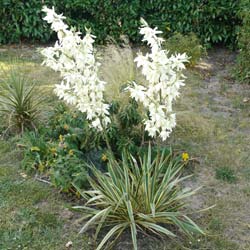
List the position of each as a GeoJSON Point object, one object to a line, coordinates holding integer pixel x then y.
{"type": "Point", "coordinates": [19, 100]}
{"type": "Point", "coordinates": [141, 195]}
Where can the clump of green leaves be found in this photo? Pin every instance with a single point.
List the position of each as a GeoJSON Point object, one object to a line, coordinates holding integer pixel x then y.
{"type": "Point", "coordinates": [126, 131]}
{"type": "Point", "coordinates": [59, 160]}
{"type": "Point", "coordinates": [23, 19]}
{"type": "Point", "coordinates": [61, 149]}
{"type": "Point", "coordinates": [225, 174]}
{"type": "Point", "coordinates": [36, 155]}
{"type": "Point", "coordinates": [20, 102]}
{"type": "Point", "coordinates": [188, 44]}
{"type": "Point", "coordinates": [139, 195]}
{"type": "Point", "coordinates": [68, 169]}
{"type": "Point", "coordinates": [65, 121]}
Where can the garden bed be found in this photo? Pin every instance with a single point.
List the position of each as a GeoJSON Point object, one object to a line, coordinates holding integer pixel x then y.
{"type": "Point", "coordinates": [212, 126]}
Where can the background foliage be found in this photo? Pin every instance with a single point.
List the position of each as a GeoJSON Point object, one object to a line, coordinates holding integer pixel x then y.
{"type": "Point", "coordinates": [188, 44]}
{"type": "Point", "coordinates": [213, 21]}
{"type": "Point", "coordinates": [243, 63]}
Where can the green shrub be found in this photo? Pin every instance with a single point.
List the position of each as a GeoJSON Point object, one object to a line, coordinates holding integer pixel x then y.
{"type": "Point", "coordinates": [142, 195]}
{"type": "Point", "coordinates": [124, 131]}
{"type": "Point", "coordinates": [242, 70]}
{"type": "Point", "coordinates": [20, 102]}
{"type": "Point", "coordinates": [64, 121]}
{"type": "Point", "coordinates": [213, 21]}
{"type": "Point", "coordinates": [21, 20]}
{"type": "Point", "coordinates": [62, 148]}
{"type": "Point", "coordinates": [37, 155]}
{"type": "Point", "coordinates": [68, 169]}
{"type": "Point", "coordinates": [59, 160]}
{"type": "Point", "coordinates": [188, 44]}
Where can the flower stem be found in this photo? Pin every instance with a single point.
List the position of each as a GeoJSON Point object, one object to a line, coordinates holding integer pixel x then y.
{"type": "Point", "coordinates": [107, 139]}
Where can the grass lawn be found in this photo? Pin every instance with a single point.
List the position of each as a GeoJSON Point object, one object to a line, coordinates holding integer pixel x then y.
{"type": "Point", "coordinates": [32, 215]}
{"type": "Point", "coordinates": [212, 126]}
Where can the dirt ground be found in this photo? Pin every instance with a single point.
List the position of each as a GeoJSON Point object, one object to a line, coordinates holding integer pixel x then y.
{"type": "Point", "coordinates": [219, 111]}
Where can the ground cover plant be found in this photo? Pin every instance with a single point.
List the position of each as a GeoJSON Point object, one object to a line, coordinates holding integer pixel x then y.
{"type": "Point", "coordinates": [61, 149]}
{"type": "Point", "coordinates": [225, 174]}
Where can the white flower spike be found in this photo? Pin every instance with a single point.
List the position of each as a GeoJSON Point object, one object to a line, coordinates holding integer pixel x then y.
{"type": "Point", "coordinates": [74, 58]}
{"type": "Point", "coordinates": [164, 79]}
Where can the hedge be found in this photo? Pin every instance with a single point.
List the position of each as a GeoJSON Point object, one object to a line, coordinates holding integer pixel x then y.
{"type": "Point", "coordinates": [212, 20]}
{"type": "Point", "coordinates": [243, 58]}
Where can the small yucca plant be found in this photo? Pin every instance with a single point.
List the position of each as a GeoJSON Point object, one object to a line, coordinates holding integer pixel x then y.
{"type": "Point", "coordinates": [19, 100]}
{"type": "Point", "coordinates": [142, 195]}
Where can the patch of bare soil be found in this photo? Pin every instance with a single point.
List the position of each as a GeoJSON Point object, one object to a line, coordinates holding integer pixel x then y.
{"type": "Point", "coordinates": [227, 104]}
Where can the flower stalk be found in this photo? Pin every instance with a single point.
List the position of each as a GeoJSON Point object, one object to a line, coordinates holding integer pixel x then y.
{"type": "Point", "coordinates": [163, 81]}
{"type": "Point", "coordinates": [81, 87]}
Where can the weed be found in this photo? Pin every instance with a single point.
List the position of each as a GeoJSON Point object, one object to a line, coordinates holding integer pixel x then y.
{"type": "Point", "coordinates": [225, 174]}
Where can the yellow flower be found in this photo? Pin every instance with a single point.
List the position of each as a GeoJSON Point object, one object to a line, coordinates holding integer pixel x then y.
{"type": "Point", "coordinates": [60, 138]}
{"type": "Point", "coordinates": [66, 127]}
{"type": "Point", "coordinates": [41, 167]}
{"type": "Point", "coordinates": [71, 152]}
{"type": "Point", "coordinates": [185, 156]}
{"type": "Point", "coordinates": [104, 157]}
{"type": "Point", "coordinates": [35, 149]}
{"type": "Point", "coordinates": [53, 151]}
{"type": "Point", "coordinates": [78, 195]}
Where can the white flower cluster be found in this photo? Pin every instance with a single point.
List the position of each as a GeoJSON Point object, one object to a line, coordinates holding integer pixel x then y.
{"type": "Point", "coordinates": [74, 58]}
{"type": "Point", "coordinates": [164, 79]}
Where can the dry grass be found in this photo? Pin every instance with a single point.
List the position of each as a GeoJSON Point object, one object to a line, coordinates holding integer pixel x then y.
{"type": "Point", "coordinates": [118, 70]}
